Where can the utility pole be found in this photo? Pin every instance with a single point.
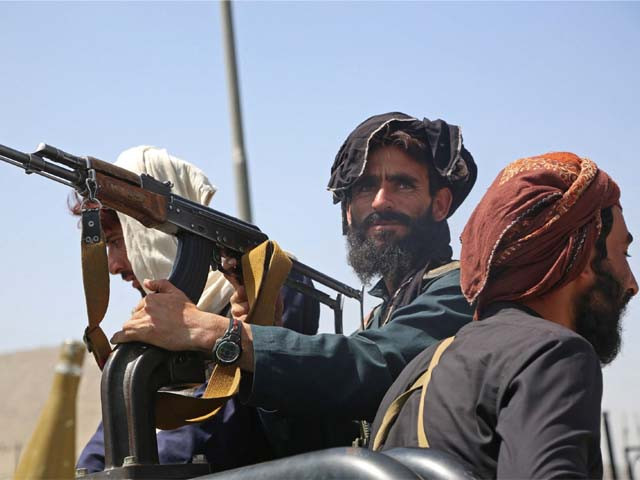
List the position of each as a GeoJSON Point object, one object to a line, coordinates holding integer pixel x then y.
{"type": "Point", "coordinates": [237, 135]}
{"type": "Point", "coordinates": [607, 434]}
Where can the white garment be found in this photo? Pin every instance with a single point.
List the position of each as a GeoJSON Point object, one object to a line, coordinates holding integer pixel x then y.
{"type": "Point", "coordinates": [152, 252]}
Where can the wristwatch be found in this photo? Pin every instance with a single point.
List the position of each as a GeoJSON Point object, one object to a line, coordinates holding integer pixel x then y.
{"type": "Point", "coordinates": [228, 348]}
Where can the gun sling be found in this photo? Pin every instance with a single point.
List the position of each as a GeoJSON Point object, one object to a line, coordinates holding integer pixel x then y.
{"type": "Point", "coordinates": [264, 270]}
{"type": "Point", "coordinates": [394, 409]}
{"type": "Point", "coordinates": [95, 277]}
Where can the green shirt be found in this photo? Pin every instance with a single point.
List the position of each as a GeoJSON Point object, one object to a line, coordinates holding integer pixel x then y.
{"type": "Point", "coordinates": [329, 379]}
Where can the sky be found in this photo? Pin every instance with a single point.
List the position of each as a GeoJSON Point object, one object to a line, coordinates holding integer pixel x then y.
{"type": "Point", "coordinates": [96, 78]}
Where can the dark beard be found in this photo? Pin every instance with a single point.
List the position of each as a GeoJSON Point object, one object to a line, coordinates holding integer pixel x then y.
{"type": "Point", "coordinates": [599, 311]}
{"type": "Point", "coordinates": [396, 257]}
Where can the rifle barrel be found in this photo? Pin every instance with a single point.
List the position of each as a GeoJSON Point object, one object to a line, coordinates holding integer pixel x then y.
{"type": "Point", "coordinates": [33, 163]}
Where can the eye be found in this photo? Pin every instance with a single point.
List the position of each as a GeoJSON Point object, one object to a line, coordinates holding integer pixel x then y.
{"type": "Point", "coordinates": [405, 184]}
{"type": "Point", "coordinates": [115, 242]}
{"type": "Point", "coordinates": [363, 186]}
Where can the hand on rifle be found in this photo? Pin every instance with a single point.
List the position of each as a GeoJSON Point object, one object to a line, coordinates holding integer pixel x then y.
{"type": "Point", "coordinates": [168, 319]}
{"type": "Point", "coordinates": [239, 301]}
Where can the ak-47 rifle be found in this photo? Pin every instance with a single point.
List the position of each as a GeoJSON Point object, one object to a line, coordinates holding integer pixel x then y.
{"type": "Point", "coordinates": [134, 372]}
{"type": "Point", "coordinates": [202, 232]}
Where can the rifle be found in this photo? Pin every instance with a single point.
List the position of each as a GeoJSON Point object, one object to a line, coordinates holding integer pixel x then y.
{"type": "Point", "coordinates": [202, 232]}
{"type": "Point", "coordinates": [135, 372]}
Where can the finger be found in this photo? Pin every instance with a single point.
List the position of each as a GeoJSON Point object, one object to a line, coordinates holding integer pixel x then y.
{"type": "Point", "coordinates": [151, 285]}
{"type": "Point", "coordinates": [237, 297]}
{"type": "Point", "coordinates": [232, 279]}
{"type": "Point", "coordinates": [229, 263]}
{"type": "Point", "coordinates": [140, 306]}
{"type": "Point", "coordinates": [160, 286]}
{"type": "Point", "coordinates": [241, 294]}
{"type": "Point", "coordinates": [239, 309]}
{"type": "Point", "coordinates": [122, 337]}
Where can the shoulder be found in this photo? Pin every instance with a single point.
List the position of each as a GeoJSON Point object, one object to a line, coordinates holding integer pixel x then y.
{"type": "Point", "coordinates": [521, 326]}
{"type": "Point", "coordinates": [440, 298]}
{"type": "Point", "coordinates": [524, 346]}
{"type": "Point", "coordinates": [448, 269]}
{"type": "Point", "coordinates": [442, 285]}
{"type": "Point", "coordinates": [443, 279]}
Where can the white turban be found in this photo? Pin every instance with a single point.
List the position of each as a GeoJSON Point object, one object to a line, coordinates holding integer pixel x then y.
{"type": "Point", "coordinates": [152, 252]}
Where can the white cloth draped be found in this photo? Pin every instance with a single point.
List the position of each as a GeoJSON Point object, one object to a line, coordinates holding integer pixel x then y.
{"type": "Point", "coordinates": [152, 252]}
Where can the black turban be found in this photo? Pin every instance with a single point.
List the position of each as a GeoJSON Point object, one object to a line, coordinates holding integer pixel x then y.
{"type": "Point", "coordinates": [445, 152]}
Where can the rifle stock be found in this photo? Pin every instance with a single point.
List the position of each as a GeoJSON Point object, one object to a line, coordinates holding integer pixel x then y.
{"type": "Point", "coordinates": [147, 207]}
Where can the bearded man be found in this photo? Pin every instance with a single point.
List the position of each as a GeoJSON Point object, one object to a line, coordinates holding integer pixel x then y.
{"type": "Point", "coordinates": [398, 180]}
{"type": "Point", "coordinates": [517, 393]}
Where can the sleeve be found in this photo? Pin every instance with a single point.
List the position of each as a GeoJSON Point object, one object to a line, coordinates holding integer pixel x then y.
{"type": "Point", "coordinates": [348, 376]}
{"type": "Point", "coordinates": [549, 417]}
{"type": "Point", "coordinates": [92, 455]}
{"type": "Point", "coordinates": [301, 312]}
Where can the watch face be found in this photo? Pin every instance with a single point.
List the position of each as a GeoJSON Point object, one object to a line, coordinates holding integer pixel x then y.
{"type": "Point", "coordinates": [228, 351]}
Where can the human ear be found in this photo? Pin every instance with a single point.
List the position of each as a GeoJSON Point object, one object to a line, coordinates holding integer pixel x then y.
{"type": "Point", "coordinates": [441, 204]}
{"type": "Point", "coordinates": [587, 275]}
{"type": "Point", "coordinates": [348, 212]}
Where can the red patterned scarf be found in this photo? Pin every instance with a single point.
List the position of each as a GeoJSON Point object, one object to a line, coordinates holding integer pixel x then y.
{"type": "Point", "coordinates": [534, 229]}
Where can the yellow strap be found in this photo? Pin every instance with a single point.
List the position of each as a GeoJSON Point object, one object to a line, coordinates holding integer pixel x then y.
{"type": "Point", "coordinates": [95, 277]}
{"type": "Point", "coordinates": [422, 435]}
{"type": "Point", "coordinates": [392, 412]}
{"type": "Point", "coordinates": [174, 410]}
{"type": "Point", "coordinates": [264, 270]}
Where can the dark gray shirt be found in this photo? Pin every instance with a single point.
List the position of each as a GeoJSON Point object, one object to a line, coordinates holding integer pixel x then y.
{"type": "Point", "coordinates": [515, 396]}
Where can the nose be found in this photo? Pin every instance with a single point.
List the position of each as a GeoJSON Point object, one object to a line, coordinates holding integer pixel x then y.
{"type": "Point", "coordinates": [632, 286]}
{"type": "Point", "coordinates": [115, 261]}
{"type": "Point", "coordinates": [382, 199]}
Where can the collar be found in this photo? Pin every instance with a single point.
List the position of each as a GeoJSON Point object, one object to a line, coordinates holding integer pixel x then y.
{"type": "Point", "coordinates": [495, 307]}
{"type": "Point", "coordinates": [379, 290]}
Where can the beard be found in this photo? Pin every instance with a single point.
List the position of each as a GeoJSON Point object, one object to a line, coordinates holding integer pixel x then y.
{"type": "Point", "coordinates": [599, 311]}
{"type": "Point", "coordinates": [386, 254]}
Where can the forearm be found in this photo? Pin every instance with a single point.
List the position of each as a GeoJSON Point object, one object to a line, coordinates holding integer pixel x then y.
{"type": "Point", "coordinates": [211, 327]}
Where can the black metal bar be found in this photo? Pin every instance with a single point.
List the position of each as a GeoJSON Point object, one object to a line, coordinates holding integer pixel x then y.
{"type": "Point", "coordinates": [337, 314]}
{"type": "Point", "coordinates": [33, 163]}
{"type": "Point", "coordinates": [114, 411]}
{"type": "Point", "coordinates": [14, 154]}
{"type": "Point", "coordinates": [141, 382]}
{"type": "Point", "coordinates": [433, 464]}
{"type": "Point", "coordinates": [607, 434]}
{"type": "Point", "coordinates": [326, 280]}
{"type": "Point", "coordinates": [628, 451]}
{"type": "Point", "coordinates": [341, 462]}
{"type": "Point", "coordinates": [312, 292]}
{"type": "Point", "coordinates": [60, 156]}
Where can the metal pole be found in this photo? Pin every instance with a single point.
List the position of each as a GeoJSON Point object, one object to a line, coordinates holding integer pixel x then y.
{"type": "Point", "coordinates": [628, 456]}
{"type": "Point", "coordinates": [237, 136]}
{"type": "Point", "coordinates": [607, 433]}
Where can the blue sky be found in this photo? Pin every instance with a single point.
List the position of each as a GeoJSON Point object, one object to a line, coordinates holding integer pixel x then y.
{"type": "Point", "coordinates": [96, 78]}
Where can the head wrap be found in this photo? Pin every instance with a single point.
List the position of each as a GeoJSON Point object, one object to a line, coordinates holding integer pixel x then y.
{"type": "Point", "coordinates": [535, 228]}
{"type": "Point", "coordinates": [152, 252]}
{"type": "Point", "coordinates": [445, 152]}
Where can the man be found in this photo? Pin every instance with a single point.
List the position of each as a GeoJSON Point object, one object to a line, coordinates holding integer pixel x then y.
{"type": "Point", "coordinates": [398, 179]}
{"type": "Point", "coordinates": [517, 393]}
{"type": "Point", "coordinates": [234, 437]}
